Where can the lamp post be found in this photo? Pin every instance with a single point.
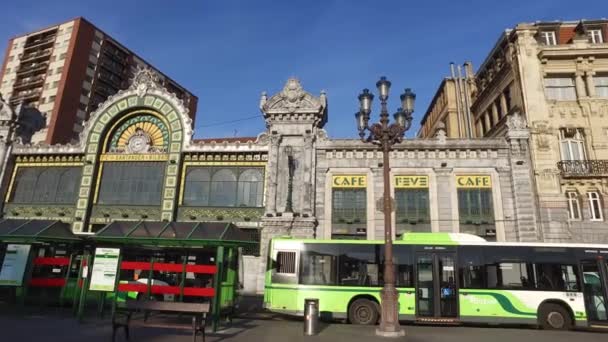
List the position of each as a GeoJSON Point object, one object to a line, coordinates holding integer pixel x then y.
{"type": "Point", "coordinates": [385, 135]}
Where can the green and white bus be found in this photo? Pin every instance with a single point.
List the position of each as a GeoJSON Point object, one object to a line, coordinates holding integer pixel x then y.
{"type": "Point", "coordinates": [443, 278]}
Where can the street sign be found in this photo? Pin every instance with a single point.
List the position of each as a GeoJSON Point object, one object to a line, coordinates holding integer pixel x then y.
{"type": "Point", "coordinates": [13, 267]}
{"type": "Point", "coordinates": [105, 269]}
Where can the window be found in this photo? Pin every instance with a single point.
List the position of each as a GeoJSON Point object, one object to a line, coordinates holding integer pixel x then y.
{"type": "Point", "coordinates": [412, 212]}
{"type": "Point", "coordinates": [132, 183]}
{"type": "Point", "coordinates": [224, 187]}
{"type": "Point", "coordinates": [574, 209]}
{"type": "Point", "coordinates": [318, 265]}
{"type": "Point", "coordinates": [55, 84]}
{"type": "Point", "coordinates": [359, 265]}
{"type": "Point", "coordinates": [595, 206]}
{"type": "Point", "coordinates": [250, 188]}
{"type": "Point", "coordinates": [286, 262]}
{"type": "Point", "coordinates": [560, 88]}
{"type": "Point", "coordinates": [52, 98]}
{"type": "Point", "coordinates": [595, 36]}
{"type": "Point", "coordinates": [572, 143]}
{"type": "Point", "coordinates": [59, 70]}
{"type": "Point", "coordinates": [475, 206]}
{"type": "Point", "coordinates": [548, 38]}
{"type": "Point", "coordinates": [46, 185]}
{"type": "Point", "coordinates": [62, 56]}
{"type": "Point", "coordinates": [349, 214]}
{"type": "Point", "coordinates": [601, 85]}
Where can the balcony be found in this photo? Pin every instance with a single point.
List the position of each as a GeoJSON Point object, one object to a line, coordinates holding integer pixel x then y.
{"type": "Point", "coordinates": [34, 43]}
{"type": "Point", "coordinates": [25, 68]}
{"type": "Point", "coordinates": [25, 95]}
{"type": "Point", "coordinates": [583, 168]}
{"type": "Point", "coordinates": [37, 54]}
{"type": "Point", "coordinates": [29, 82]}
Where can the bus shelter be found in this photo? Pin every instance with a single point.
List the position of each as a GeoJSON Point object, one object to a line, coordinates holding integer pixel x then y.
{"type": "Point", "coordinates": [174, 261]}
{"type": "Point", "coordinates": [41, 260]}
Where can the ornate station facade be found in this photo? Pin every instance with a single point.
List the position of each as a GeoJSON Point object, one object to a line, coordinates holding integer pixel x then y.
{"type": "Point", "coordinates": [137, 161]}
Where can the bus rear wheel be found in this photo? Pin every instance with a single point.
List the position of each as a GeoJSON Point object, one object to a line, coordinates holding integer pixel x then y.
{"type": "Point", "coordinates": [554, 317]}
{"type": "Point", "coordinates": [363, 312]}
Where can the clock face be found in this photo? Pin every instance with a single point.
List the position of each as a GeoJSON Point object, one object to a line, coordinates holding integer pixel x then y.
{"type": "Point", "coordinates": [138, 144]}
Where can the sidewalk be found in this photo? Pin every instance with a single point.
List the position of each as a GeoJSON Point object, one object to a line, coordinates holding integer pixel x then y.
{"type": "Point", "coordinates": [65, 328]}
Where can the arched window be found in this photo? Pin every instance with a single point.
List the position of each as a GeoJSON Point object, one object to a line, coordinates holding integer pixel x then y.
{"type": "Point", "coordinates": [25, 184]}
{"type": "Point", "coordinates": [197, 186]}
{"type": "Point", "coordinates": [47, 185]}
{"type": "Point", "coordinates": [595, 206]}
{"type": "Point", "coordinates": [67, 188]}
{"type": "Point", "coordinates": [223, 188]}
{"type": "Point", "coordinates": [574, 208]}
{"type": "Point", "coordinates": [251, 188]}
{"type": "Point", "coordinates": [132, 183]}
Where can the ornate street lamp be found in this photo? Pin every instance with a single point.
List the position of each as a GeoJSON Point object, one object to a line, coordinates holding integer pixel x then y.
{"type": "Point", "coordinates": [386, 135]}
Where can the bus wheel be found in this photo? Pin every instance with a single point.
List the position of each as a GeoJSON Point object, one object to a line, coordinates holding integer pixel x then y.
{"type": "Point", "coordinates": [363, 312]}
{"type": "Point", "coordinates": [554, 317]}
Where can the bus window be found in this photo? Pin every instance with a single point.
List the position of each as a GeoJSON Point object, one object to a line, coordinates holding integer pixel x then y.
{"type": "Point", "coordinates": [509, 275]}
{"type": "Point", "coordinates": [358, 265]}
{"type": "Point", "coordinates": [556, 277]}
{"type": "Point", "coordinates": [318, 265]}
{"type": "Point", "coordinates": [404, 266]}
{"type": "Point", "coordinates": [286, 262]}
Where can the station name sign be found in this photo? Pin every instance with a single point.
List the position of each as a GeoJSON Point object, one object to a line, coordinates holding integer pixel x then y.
{"type": "Point", "coordinates": [411, 182]}
{"type": "Point", "coordinates": [349, 181]}
{"type": "Point", "coordinates": [134, 157]}
{"type": "Point", "coordinates": [473, 181]}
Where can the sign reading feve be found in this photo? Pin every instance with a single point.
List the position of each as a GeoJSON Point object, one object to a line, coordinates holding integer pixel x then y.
{"type": "Point", "coordinates": [13, 267]}
{"type": "Point", "coordinates": [105, 269]}
{"type": "Point", "coordinates": [473, 181]}
{"type": "Point", "coordinates": [349, 181]}
{"type": "Point", "coordinates": [411, 182]}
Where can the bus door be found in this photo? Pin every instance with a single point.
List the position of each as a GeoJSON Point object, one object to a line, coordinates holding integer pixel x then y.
{"type": "Point", "coordinates": [436, 286]}
{"type": "Point", "coordinates": [595, 290]}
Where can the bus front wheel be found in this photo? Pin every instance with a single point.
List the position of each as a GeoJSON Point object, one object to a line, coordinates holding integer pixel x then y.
{"type": "Point", "coordinates": [363, 312]}
{"type": "Point", "coordinates": [554, 317]}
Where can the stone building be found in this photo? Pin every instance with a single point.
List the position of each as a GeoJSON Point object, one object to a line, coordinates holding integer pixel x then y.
{"type": "Point", "coordinates": [136, 161]}
{"type": "Point", "coordinates": [555, 74]}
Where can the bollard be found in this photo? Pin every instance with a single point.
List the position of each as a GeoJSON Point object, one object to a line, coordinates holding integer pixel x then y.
{"type": "Point", "coordinates": [311, 316]}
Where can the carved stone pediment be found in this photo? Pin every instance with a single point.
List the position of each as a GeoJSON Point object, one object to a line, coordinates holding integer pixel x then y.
{"type": "Point", "coordinates": [293, 100]}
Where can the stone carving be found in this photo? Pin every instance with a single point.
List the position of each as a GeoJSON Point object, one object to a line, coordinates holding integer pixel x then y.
{"type": "Point", "coordinates": [440, 134]}
{"type": "Point", "coordinates": [143, 80]}
{"type": "Point", "coordinates": [515, 121]}
{"type": "Point", "coordinates": [293, 99]}
{"type": "Point", "coordinates": [6, 112]}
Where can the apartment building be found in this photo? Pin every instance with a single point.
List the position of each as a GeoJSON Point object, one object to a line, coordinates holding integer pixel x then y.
{"type": "Point", "coordinates": [450, 107]}
{"type": "Point", "coordinates": [67, 70]}
{"type": "Point", "coordinates": [555, 74]}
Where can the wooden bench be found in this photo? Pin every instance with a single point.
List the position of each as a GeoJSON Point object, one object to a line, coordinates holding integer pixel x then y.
{"type": "Point", "coordinates": [123, 313]}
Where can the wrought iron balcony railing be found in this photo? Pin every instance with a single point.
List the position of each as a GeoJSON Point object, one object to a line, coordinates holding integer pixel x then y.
{"type": "Point", "coordinates": [583, 168]}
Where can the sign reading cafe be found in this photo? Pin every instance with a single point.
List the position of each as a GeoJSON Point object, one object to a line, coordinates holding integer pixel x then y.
{"type": "Point", "coordinates": [349, 181]}
{"type": "Point", "coordinates": [473, 181]}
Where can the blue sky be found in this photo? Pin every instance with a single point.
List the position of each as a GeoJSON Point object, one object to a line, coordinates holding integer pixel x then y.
{"type": "Point", "coordinates": [227, 52]}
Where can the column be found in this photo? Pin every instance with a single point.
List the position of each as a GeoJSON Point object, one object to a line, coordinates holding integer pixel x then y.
{"type": "Point", "coordinates": [495, 113]}
{"type": "Point", "coordinates": [580, 85]}
{"type": "Point", "coordinates": [273, 162]}
{"type": "Point", "coordinates": [590, 83]}
{"type": "Point", "coordinates": [307, 202]}
{"type": "Point", "coordinates": [503, 104]}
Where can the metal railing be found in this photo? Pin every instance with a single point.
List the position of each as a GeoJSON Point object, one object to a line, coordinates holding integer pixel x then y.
{"type": "Point", "coordinates": [583, 168]}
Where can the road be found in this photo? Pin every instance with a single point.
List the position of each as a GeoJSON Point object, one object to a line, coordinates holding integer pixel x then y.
{"type": "Point", "coordinates": [64, 328]}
